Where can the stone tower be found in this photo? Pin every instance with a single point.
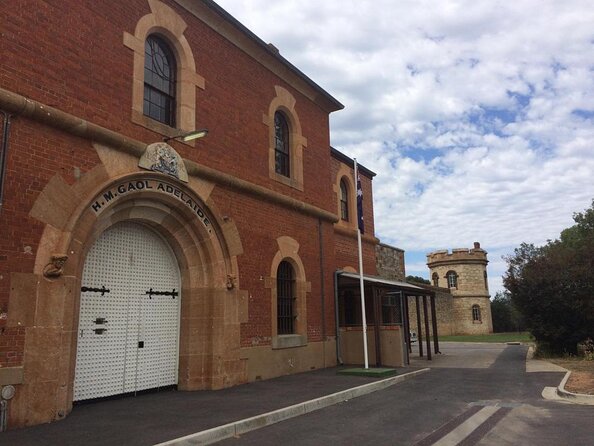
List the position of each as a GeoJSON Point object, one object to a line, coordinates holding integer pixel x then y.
{"type": "Point", "coordinates": [464, 272]}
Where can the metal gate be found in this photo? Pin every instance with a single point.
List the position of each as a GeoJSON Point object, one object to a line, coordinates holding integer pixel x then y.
{"type": "Point", "coordinates": [129, 314]}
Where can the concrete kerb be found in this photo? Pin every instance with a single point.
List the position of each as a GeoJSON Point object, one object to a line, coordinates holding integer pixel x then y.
{"type": "Point", "coordinates": [578, 398]}
{"type": "Point", "coordinates": [557, 393]}
{"type": "Point", "coordinates": [229, 430]}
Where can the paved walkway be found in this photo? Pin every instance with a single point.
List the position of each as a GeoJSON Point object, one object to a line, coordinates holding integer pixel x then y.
{"type": "Point", "coordinates": [157, 417]}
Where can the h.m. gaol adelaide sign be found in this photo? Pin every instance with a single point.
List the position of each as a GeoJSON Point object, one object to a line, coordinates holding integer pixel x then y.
{"type": "Point", "coordinates": [111, 195]}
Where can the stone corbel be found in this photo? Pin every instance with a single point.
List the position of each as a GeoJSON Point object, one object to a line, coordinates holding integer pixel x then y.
{"type": "Point", "coordinates": [230, 282]}
{"type": "Point", "coordinates": [55, 267]}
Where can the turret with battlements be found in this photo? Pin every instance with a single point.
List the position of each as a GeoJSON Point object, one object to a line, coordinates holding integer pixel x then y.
{"type": "Point", "coordinates": [464, 272]}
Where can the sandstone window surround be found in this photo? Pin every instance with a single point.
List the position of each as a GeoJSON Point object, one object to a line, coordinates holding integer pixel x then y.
{"type": "Point", "coordinates": [288, 253]}
{"type": "Point", "coordinates": [283, 105]}
{"type": "Point", "coordinates": [164, 23]}
{"type": "Point", "coordinates": [344, 183]}
{"type": "Point", "coordinates": [435, 278]}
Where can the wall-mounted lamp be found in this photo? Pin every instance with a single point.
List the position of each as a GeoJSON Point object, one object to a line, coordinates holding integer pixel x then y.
{"type": "Point", "coordinates": [189, 136]}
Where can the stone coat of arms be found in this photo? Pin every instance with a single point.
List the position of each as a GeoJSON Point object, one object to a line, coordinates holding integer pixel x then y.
{"type": "Point", "coordinates": [161, 157]}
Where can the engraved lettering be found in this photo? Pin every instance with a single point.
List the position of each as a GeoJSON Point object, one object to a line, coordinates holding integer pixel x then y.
{"type": "Point", "coordinates": [108, 196]}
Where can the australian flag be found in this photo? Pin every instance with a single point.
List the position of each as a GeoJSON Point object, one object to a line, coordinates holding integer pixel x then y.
{"type": "Point", "coordinates": [360, 205]}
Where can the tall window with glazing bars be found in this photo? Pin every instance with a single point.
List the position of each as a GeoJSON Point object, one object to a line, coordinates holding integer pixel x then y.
{"type": "Point", "coordinates": [344, 201]}
{"type": "Point", "coordinates": [281, 145]}
{"type": "Point", "coordinates": [285, 292]}
{"type": "Point", "coordinates": [159, 81]}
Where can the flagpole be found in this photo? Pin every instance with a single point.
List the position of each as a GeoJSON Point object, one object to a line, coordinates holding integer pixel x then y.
{"type": "Point", "coordinates": [361, 284]}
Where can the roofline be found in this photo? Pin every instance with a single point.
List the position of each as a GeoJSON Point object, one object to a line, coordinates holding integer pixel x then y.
{"type": "Point", "coordinates": [350, 162]}
{"type": "Point", "coordinates": [405, 286]}
{"type": "Point", "coordinates": [391, 247]}
{"type": "Point", "coordinates": [273, 51]}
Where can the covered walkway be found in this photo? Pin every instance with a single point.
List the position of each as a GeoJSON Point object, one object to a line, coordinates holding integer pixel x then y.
{"type": "Point", "coordinates": [389, 329]}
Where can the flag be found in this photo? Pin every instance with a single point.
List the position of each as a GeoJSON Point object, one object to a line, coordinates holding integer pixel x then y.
{"type": "Point", "coordinates": [360, 205]}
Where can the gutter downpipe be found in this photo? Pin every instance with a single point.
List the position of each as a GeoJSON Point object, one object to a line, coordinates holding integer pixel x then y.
{"type": "Point", "coordinates": [3, 415]}
{"type": "Point", "coordinates": [322, 290]}
{"type": "Point", "coordinates": [337, 320]}
{"type": "Point", "coordinates": [5, 130]}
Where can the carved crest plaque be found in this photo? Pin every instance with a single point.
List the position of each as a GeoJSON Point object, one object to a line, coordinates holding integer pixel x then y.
{"type": "Point", "coordinates": [161, 157]}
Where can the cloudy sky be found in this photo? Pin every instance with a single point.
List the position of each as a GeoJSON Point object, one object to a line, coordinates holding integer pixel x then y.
{"type": "Point", "coordinates": [478, 115]}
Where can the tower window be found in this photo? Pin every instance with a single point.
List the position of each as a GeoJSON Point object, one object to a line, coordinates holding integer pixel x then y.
{"type": "Point", "coordinates": [435, 278]}
{"type": "Point", "coordinates": [476, 313]}
{"type": "Point", "coordinates": [452, 279]}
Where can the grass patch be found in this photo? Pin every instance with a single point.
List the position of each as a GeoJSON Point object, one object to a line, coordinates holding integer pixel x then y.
{"type": "Point", "coordinates": [494, 337]}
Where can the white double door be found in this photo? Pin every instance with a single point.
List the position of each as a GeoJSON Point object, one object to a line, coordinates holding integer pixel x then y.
{"type": "Point", "coordinates": [128, 334]}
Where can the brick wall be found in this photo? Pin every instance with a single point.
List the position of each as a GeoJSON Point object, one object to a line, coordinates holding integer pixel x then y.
{"type": "Point", "coordinates": [51, 56]}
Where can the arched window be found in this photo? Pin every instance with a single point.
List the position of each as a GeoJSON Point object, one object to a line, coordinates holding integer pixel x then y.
{"type": "Point", "coordinates": [285, 294]}
{"type": "Point", "coordinates": [435, 278]}
{"type": "Point", "coordinates": [344, 201]}
{"type": "Point", "coordinates": [159, 81]}
{"type": "Point", "coordinates": [281, 145]}
{"type": "Point", "coordinates": [476, 313]}
{"type": "Point", "coordinates": [452, 279]}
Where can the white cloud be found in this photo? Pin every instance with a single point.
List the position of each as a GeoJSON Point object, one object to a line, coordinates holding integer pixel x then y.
{"type": "Point", "coordinates": [465, 109]}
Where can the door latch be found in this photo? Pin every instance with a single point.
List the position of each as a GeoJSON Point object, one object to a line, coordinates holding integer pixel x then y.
{"type": "Point", "coordinates": [100, 320]}
{"type": "Point", "coordinates": [99, 331]}
{"type": "Point", "coordinates": [171, 293]}
{"type": "Point", "coordinates": [101, 290]}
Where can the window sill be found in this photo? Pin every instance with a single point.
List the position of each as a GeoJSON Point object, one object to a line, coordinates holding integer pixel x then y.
{"type": "Point", "coordinates": [288, 341]}
{"type": "Point", "coordinates": [477, 322]}
{"type": "Point", "coordinates": [288, 181]}
{"type": "Point", "coordinates": [159, 127]}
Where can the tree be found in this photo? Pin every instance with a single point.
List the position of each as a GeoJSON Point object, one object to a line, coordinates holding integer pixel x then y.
{"type": "Point", "coordinates": [553, 286]}
{"type": "Point", "coordinates": [417, 279]}
{"type": "Point", "coordinates": [505, 315]}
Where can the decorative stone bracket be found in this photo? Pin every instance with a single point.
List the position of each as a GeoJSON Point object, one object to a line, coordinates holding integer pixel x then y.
{"type": "Point", "coordinates": [230, 282]}
{"type": "Point", "coordinates": [56, 266]}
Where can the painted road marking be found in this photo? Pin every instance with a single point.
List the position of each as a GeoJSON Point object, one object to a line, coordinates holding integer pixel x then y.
{"type": "Point", "coordinates": [467, 427]}
{"type": "Point", "coordinates": [471, 426]}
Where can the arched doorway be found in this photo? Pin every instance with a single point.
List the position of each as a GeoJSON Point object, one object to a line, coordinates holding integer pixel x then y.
{"type": "Point", "coordinates": [129, 320]}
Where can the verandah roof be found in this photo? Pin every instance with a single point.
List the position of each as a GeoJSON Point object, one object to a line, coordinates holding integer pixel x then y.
{"type": "Point", "coordinates": [409, 289]}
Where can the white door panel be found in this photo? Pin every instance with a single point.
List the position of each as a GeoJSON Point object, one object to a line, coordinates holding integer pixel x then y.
{"type": "Point", "coordinates": [138, 347]}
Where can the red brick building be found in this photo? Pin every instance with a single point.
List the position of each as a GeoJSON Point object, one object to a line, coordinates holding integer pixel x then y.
{"type": "Point", "coordinates": [127, 263]}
